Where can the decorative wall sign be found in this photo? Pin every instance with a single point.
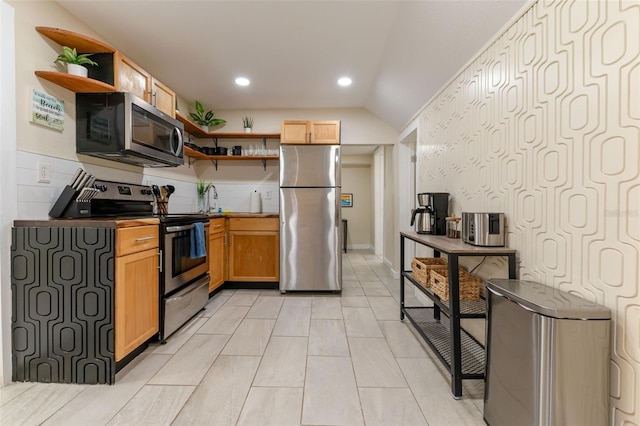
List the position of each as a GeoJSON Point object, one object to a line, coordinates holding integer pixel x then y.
{"type": "Point", "coordinates": [47, 110]}
{"type": "Point", "coordinates": [346, 200]}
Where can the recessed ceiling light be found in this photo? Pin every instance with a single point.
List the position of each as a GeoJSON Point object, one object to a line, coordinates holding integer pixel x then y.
{"type": "Point", "coordinates": [344, 81]}
{"type": "Point", "coordinates": [242, 81]}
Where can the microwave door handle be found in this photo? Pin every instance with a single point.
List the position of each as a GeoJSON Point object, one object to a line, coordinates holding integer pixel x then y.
{"type": "Point", "coordinates": [176, 141]}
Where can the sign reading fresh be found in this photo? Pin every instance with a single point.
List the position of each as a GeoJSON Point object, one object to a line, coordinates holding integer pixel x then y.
{"type": "Point", "coordinates": [47, 110]}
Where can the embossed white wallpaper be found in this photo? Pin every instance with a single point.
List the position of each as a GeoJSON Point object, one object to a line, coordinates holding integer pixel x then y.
{"type": "Point", "coordinates": [544, 125]}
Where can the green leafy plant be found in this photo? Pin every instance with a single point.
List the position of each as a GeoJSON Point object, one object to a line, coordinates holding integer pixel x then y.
{"type": "Point", "coordinates": [203, 187]}
{"type": "Point", "coordinates": [71, 56]}
{"type": "Point", "coordinates": [205, 118]}
{"type": "Point", "coordinates": [247, 122]}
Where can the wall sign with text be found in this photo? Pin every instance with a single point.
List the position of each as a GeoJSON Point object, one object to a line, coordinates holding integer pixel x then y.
{"type": "Point", "coordinates": [346, 200]}
{"type": "Point", "coordinates": [47, 110]}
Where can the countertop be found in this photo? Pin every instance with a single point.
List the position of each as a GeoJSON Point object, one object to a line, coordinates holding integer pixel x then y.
{"type": "Point", "coordinates": [122, 222]}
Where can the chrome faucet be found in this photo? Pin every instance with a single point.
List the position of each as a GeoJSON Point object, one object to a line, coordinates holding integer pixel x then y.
{"type": "Point", "coordinates": [215, 197]}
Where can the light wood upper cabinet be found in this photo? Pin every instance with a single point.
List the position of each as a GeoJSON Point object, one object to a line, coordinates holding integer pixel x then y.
{"type": "Point", "coordinates": [217, 253]}
{"type": "Point", "coordinates": [134, 79]}
{"type": "Point", "coordinates": [254, 249]}
{"type": "Point", "coordinates": [136, 288]}
{"type": "Point", "coordinates": [115, 72]}
{"type": "Point", "coordinates": [310, 132]}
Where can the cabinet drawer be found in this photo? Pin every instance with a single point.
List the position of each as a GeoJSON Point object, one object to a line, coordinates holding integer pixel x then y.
{"type": "Point", "coordinates": [216, 226]}
{"type": "Point", "coordinates": [254, 224]}
{"type": "Point", "coordinates": [135, 239]}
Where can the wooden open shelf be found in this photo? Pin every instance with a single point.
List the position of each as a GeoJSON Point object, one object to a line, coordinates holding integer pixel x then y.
{"type": "Point", "coordinates": [76, 83]}
{"type": "Point", "coordinates": [81, 43]}
{"type": "Point", "coordinates": [197, 155]}
{"type": "Point", "coordinates": [195, 130]}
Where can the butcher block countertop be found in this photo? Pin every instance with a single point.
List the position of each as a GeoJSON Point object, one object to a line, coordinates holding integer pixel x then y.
{"type": "Point", "coordinates": [90, 222]}
{"type": "Point", "coordinates": [243, 214]}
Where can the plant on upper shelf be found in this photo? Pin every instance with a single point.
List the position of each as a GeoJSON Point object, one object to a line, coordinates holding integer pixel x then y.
{"type": "Point", "coordinates": [247, 122]}
{"type": "Point", "coordinates": [202, 118]}
{"type": "Point", "coordinates": [75, 62]}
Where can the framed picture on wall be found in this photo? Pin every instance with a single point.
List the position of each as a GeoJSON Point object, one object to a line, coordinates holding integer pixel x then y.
{"type": "Point", "coordinates": [347, 200]}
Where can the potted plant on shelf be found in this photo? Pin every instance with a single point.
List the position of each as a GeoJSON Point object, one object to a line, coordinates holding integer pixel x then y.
{"type": "Point", "coordinates": [203, 189]}
{"type": "Point", "coordinates": [247, 123]}
{"type": "Point", "coordinates": [75, 63]}
{"type": "Point", "coordinates": [205, 119]}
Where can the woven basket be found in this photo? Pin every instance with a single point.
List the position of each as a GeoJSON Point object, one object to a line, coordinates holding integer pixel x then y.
{"type": "Point", "coordinates": [469, 284]}
{"type": "Point", "coordinates": [422, 265]}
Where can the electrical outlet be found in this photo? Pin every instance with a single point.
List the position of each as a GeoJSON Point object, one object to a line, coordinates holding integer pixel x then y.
{"type": "Point", "coordinates": [267, 195]}
{"type": "Point", "coordinates": [44, 172]}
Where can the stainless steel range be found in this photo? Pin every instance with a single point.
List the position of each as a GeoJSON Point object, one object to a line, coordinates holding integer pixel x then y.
{"type": "Point", "coordinates": [184, 278]}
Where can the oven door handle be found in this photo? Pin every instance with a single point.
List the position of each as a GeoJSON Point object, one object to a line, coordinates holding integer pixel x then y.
{"type": "Point", "coordinates": [194, 286]}
{"type": "Point", "coordinates": [171, 229]}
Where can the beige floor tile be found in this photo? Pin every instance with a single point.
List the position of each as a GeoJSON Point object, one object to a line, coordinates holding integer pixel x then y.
{"type": "Point", "coordinates": [326, 308]}
{"type": "Point", "coordinates": [272, 406]}
{"type": "Point", "coordinates": [225, 320]}
{"type": "Point", "coordinates": [387, 406]}
{"type": "Point", "coordinates": [243, 298]}
{"type": "Point", "coordinates": [250, 338]}
{"type": "Point", "coordinates": [179, 338]}
{"type": "Point", "coordinates": [220, 396]}
{"type": "Point", "coordinates": [352, 291]}
{"type": "Point", "coordinates": [283, 363]}
{"type": "Point", "coordinates": [374, 364]}
{"type": "Point", "coordinates": [328, 338]}
{"type": "Point", "coordinates": [293, 321]}
{"type": "Point", "coordinates": [402, 341]}
{"type": "Point", "coordinates": [355, 302]}
{"type": "Point", "coordinates": [433, 393]}
{"type": "Point", "coordinates": [360, 322]}
{"type": "Point", "coordinates": [98, 404]}
{"type": "Point", "coordinates": [214, 304]}
{"type": "Point", "coordinates": [38, 403]}
{"type": "Point", "coordinates": [13, 390]}
{"type": "Point", "coordinates": [330, 393]}
{"type": "Point", "coordinates": [378, 291]}
{"type": "Point", "coordinates": [267, 307]}
{"type": "Point", "coordinates": [191, 362]}
{"type": "Point", "coordinates": [301, 300]}
{"type": "Point", "coordinates": [353, 283]}
{"type": "Point", "coordinates": [385, 308]}
{"type": "Point", "coordinates": [153, 405]}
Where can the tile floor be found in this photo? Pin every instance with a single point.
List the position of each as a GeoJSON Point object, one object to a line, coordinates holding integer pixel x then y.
{"type": "Point", "coordinates": [260, 358]}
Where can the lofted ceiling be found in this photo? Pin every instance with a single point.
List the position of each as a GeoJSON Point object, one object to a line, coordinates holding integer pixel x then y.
{"type": "Point", "coordinates": [398, 53]}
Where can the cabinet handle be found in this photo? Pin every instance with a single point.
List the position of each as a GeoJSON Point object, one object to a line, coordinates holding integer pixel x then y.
{"type": "Point", "coordinates": [142, 239]}
{"type": "Point", "coordinates": [310, 137]}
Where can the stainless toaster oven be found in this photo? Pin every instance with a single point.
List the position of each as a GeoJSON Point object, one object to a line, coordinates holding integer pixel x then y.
{"type": "Point", "coordinates": [483, 229]}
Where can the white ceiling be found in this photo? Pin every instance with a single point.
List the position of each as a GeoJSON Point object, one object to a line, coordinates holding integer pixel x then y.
{"type": "Point", "coordinates": [398, 53]}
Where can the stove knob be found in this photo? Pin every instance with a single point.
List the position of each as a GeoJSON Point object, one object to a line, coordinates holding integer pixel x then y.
{"type": "Point", "coordinates": [101, 188]}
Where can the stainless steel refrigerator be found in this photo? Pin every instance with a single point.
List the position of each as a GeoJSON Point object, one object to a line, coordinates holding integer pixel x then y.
{"type": "Point", "coordinates": [310, 257]}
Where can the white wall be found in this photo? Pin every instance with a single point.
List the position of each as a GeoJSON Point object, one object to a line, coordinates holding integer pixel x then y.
{"type": "Point", "coordinates": [544, 125]}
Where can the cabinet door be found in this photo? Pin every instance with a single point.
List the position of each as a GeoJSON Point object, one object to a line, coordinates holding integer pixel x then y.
{"type": "Point", "coordinates": [217, 260]}
{"type": "Point", "coordinates": [254, 256]}
{"type": "Point", "coordinates": [294, 132]}
{"type": "Point", "coordinates": [136, 301]}
{"type": "Point", "coordinates": [325, 132]}
{"type": "Point", "coordinates": [163, 98]}
{"type": "Point", "coordinates": [132, 78]}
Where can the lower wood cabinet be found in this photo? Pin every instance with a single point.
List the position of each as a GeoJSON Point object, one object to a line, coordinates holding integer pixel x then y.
{"type": "Point", "coordinates": [254, 249]}
{"type": "Point", "coordinates": [136, 289]}
{"type": "Point", "coordinates": [217, 253]}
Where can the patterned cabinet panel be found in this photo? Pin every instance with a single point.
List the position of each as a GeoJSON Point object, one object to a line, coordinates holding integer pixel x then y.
{"type": "Point", "coordinates": [62, 298]}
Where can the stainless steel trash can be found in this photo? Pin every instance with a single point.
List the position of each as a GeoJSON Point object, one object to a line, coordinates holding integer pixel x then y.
{"type": "Point", "coordinates": [547, 357]}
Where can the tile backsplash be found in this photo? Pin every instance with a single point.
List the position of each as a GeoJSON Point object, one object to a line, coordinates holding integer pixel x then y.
{"type": "Point", "coordinates": [35, 199]}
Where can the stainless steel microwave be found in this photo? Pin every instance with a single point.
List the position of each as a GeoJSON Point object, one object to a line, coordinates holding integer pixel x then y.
{"type": "Point", "coordinates": [122, 127]}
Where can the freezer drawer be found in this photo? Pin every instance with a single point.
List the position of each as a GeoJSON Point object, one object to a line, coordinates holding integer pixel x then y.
{"type": "Point", "coordinates": [310, 258]}
{"type": "Point", "coordinates": [181, 306]}
{"type": "Point", "coordinates": [541, 369]}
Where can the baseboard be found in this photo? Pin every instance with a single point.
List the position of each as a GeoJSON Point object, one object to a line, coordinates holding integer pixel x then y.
{"type": "Point", "coordinates": [360, 247]}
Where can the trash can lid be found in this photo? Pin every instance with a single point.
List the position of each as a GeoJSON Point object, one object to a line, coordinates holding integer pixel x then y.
{"type": "Point", "coordinates": [547, 301]}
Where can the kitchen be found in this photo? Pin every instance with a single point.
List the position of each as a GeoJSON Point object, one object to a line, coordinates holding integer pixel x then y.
{"type": "Point", "coordinates": [554, 256]}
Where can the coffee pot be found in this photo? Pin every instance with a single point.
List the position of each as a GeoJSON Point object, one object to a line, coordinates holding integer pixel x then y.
{"type": "Point", "coordinates": [423, 219]}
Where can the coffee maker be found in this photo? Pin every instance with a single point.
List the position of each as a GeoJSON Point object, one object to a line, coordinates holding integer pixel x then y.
{"type": "Point", "coordinates": [430, 216]}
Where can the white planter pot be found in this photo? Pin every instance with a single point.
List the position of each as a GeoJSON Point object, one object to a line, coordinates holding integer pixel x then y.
{"type": "Point", "coordinates": [247, 129]}
{"type": "Point", "coordinates": [205, 128]}
{"type": "Point", "coordinates": [77, 70]}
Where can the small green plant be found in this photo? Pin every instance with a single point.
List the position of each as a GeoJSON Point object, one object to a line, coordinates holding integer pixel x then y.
{"type": "Point", "coordinates": [247, 122]}
{"type": "Point", "coordinates": [203, 187]}
{"type": "Point", "coordinates": [71, 56]}
{"type": "Point", "coordinates": [205, 118]}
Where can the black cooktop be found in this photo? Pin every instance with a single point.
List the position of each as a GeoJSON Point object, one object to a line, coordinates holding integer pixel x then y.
{"type": "Point", "coordinates": [182, 218]}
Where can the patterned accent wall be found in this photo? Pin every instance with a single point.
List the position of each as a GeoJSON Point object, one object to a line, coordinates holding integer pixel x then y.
{"type": "Point", "coordinates": [62, 294]}
{"type": "Point", "coordinates": [544, 125]}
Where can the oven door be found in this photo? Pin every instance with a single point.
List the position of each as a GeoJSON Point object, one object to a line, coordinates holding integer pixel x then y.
{"type": "Point", "coordinates": [179, 267]}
